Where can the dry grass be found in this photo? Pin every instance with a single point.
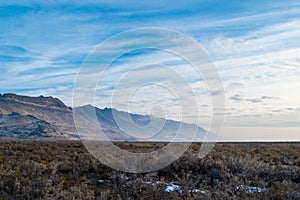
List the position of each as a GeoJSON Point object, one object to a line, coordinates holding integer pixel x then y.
{"type": "Point", "coordinates": [65, 170]}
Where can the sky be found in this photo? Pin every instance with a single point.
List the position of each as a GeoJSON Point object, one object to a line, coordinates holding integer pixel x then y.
{"type": "Point", "coordinates": [254, 45]}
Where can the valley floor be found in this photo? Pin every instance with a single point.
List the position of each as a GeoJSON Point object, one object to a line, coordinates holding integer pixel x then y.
{"type": "Point", "coordinates": [65, 170]}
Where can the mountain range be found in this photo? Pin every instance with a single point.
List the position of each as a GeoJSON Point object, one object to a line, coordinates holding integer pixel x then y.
{"type": "Point", "coordinates": [42, 117]}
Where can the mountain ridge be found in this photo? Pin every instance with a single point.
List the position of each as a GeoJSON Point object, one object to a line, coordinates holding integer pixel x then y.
{"type": "Point", "coordinates": [57, 122]}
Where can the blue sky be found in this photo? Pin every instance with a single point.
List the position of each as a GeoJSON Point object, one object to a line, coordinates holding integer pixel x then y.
{"type": "Point", "coordinates": [254, 44]}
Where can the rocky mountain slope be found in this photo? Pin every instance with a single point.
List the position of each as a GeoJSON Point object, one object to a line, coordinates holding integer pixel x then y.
{"type": "Point", "coordinates": [25, 127]}
{"type": "Point", "coordinates": [127, 126]}
{"type": "Point", "coordinates": [34, 112]}
{"type": "Point", "coordinates": [39, 117]}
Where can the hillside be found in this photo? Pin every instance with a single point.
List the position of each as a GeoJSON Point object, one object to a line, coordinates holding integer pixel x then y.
{"type": "Point", "coordinates": [39, 117]}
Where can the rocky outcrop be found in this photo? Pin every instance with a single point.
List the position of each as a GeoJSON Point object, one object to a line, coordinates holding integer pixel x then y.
{"type": "Point", "coordinates": [15, 125]}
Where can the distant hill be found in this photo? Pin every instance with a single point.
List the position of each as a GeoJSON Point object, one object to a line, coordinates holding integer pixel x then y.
{"type": "Point", "coordinates": [47, 109]}
{"type": "Point", "coordinates": [47, 117]}
{"type": "Point", "coordinates": [128, 126]}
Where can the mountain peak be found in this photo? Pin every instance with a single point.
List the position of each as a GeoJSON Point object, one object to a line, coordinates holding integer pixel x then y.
{"type": "Point", "coordinates": [49, 102]}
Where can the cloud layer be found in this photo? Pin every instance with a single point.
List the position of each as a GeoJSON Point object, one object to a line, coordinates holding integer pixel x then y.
{"type": "Point", "coordinates": [255, 47]}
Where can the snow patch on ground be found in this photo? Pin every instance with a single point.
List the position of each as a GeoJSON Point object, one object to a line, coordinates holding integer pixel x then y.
{"type": "Point", "coordinates": [173, 187]}
{"type": "Point", "coordinates": [250, 189]}
{"type": "Point", "coordinates": [103, 181]}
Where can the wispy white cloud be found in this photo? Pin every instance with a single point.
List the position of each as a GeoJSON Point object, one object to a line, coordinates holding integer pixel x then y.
{"type": "Point", "coordinates": [255, 47]}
